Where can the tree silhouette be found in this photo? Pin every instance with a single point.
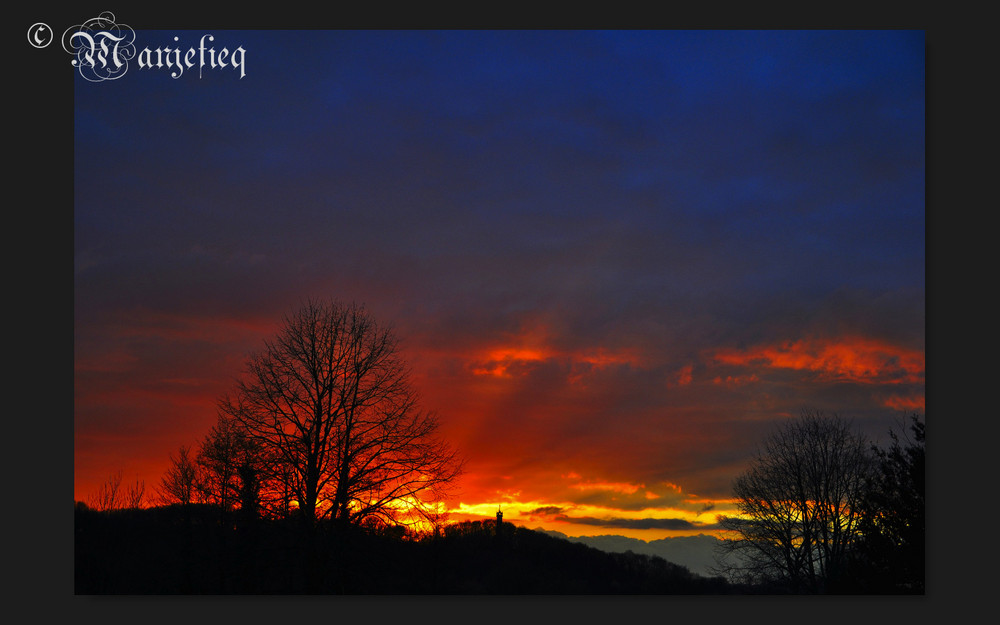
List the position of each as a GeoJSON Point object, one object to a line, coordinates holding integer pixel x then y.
{"type": "Point", "coordinates": [180, 483]}
{"type": "Point", "coordinates": [800, 506]}
{"type": "Point", "coordinates": [890, 558]}
{"type": "Point", "coordinates": [234, 470]}
{"type": "Point", "coordinates": [112, 495]}
{"type": "Point", "coordinates": [329, 399]}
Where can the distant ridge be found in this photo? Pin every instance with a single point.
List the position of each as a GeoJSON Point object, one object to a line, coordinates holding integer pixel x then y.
{"type": "Point", "coordinates": [697, 553]}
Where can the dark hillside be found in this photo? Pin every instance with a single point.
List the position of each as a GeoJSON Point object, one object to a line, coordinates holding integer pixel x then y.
{"type": "Point", "coordinates": [177, 550]}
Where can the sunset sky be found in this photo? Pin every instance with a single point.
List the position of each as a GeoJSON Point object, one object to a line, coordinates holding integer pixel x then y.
{"type": "Point", "coordinates": [615, 260]}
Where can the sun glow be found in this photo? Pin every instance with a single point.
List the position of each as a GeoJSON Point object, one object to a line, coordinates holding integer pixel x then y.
{"type": "Point", "coordinates": [590, 506]}
{"type": "Point", "coordinates": [575, 519]}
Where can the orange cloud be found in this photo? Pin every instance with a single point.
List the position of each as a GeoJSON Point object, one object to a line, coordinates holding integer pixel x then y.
{"type": "Point", "coordinates": [684, 376]}
{"type": "Point", "coordinates": [915, 402]}
{"type": "Point", "coordinates": [499, 362]}
{"type": "Point", "coordinates": [737, 380]}
{"type": "Point", "coordinates": [618, 487]}
{"type": "Point", "coordinates": [854, 359]}
{"type": "Point", "coordinates": [518, 354]}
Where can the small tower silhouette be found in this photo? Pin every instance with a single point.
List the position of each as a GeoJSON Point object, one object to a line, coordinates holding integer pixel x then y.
{"type": "Point", "coordinates": [499, 520]}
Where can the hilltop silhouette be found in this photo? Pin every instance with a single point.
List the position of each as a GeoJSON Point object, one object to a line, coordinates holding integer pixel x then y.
{"type": "Point", "coordinates": [183, 550]}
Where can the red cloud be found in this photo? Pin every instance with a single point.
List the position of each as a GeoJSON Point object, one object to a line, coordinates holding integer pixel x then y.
{"type": "Point", "coordinates": [915, 402]}
{"type": "Point", "coordinates": [854, 359]}
{"type": "Point", "coordinates": [500, 361]}
{"type": "Point", "coordinates": [516, 355]}
{"type": "Point", "coordinates": [684, 376]}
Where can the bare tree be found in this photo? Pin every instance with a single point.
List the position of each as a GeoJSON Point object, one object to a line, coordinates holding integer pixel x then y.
{"type": "Point", "coordinates": [113, 496]}
{"type": "Point", "coordinates": [218, 460]}
{"type": "Point", "coordinates": [107, 496]}
{"type": "Point", "coordinates": [180, 482]}
{"type": "Point", "coordinates": [330, 399]}
{"type": "Point", "coordinates": [236, 472]}
{"type": "Point", "coordinates": [799, 506]}
{"type": "Point", "coordinates": [135, 495]}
